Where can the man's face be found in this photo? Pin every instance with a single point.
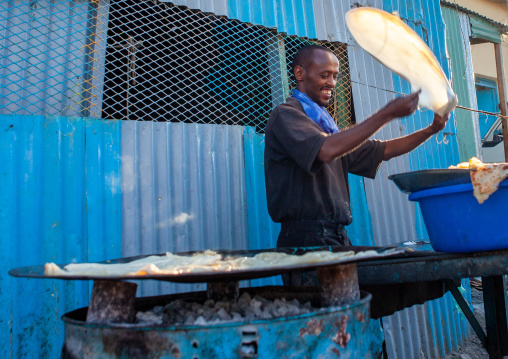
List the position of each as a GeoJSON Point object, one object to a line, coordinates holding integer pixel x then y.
{"type": "Point", "coordinates": [319, 78]}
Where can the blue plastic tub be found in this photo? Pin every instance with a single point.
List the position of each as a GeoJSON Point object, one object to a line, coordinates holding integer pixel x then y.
{"type": "Point", "coordinates": [456, 222]}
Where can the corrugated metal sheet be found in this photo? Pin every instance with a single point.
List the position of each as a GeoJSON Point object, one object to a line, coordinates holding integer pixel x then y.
{"type": "Point", "coordinates": [217, 7]}
{"type": "Point", "coordinates": [44, 218]}
{"type": "Point", "coordinates": [360, 231]}
{"type": "Point", "coordinates": [183, 189]}
{"type": "Point", "coordinates": [481, 29]}
{"type": "Point", "coordinates": [470, 78]}
{"type": "Point", "coordinates": [329, 19]}
{"type": "Point", "coordinates": [293, 17]}
{"type": "Point", "coordinates": [103, 189]}
{"type": "Point", "coordinates": [503, 28]}
{"type": "Point", "coordinates": [415, 332]}
{"type": "Point", "coordinates": [314, 19]}
{"type": "Point", "coordinates": [263, 232]}
{"type": "Point", "coordinates": [457, 40]}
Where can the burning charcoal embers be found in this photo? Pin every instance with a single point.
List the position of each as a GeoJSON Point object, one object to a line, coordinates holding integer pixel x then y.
{"type": "Point", "coordinates": [246, 308]}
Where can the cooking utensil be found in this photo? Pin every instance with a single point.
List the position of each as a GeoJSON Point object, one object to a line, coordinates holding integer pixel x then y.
{"type": "Point", "coordinates": [37, 271]}
{"type": "Point", "coordinates": [410, 182]}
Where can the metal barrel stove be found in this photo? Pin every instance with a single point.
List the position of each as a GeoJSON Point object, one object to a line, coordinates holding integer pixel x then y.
{"type": "Point", "coordinates": [338, 328]}
{"type": "Point", "coordinates": [333, 332]}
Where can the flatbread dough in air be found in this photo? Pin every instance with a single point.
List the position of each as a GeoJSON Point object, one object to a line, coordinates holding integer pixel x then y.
{"type": "Point", "coordinates": [393, 43]}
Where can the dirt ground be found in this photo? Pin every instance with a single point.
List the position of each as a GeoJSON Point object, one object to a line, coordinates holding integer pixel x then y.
{"type": "Point", "coordinates": [473, 349]}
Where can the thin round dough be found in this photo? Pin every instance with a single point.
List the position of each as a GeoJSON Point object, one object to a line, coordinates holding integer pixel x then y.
{"type": "Point", "coordinates": [393, 43]}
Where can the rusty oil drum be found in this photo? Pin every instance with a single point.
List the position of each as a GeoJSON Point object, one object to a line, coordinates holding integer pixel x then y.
{"type": "Point", "coordinates": [333, 332]}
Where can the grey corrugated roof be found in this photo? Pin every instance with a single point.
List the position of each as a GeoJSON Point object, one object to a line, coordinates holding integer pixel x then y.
{"type": "Point", "coordinates": [502, 27]}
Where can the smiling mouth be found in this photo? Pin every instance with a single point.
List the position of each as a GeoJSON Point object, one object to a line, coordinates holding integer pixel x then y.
{"type": "Point", "coordinates": [326, 92]}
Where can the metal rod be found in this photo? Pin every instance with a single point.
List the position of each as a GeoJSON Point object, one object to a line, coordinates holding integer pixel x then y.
{"type": "Point", "coordinates": [502, 94]}
{"type": "Point", "coordinates": [458, 106]}
{"type": "Point", "coordinates": [467, 312]}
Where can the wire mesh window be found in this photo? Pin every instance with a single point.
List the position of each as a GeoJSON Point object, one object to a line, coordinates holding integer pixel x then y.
{"type": "Point", "coordinates": [149, 61]}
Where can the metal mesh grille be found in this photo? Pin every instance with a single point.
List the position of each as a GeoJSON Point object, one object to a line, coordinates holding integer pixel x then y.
{"type": "Point", "coordinates": [149, 61]}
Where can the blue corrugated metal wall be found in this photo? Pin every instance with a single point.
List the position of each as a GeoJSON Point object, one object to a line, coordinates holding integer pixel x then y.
{"type": "Point", "coordinates": [294, 17]}
{"type": "Point", "coordinates": [183, 189]}
{"type": "Point", "coordinates": [263, 232]}
{"type": "Point", "coordinates": [314, 19]}
{"type": "Point", "coordinates": [103, 189]}
{"type": "Point", "coordinates": [44, 217]}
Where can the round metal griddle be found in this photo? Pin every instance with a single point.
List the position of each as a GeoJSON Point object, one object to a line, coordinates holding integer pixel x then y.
{"type": "Point", "coordinates": [37, 271]}
{"type": "Point", "coordinates": [410, 182]}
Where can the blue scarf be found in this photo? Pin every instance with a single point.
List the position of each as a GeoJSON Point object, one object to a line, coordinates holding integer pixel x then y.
{"type": "Point", "coordinates": [317, 113]}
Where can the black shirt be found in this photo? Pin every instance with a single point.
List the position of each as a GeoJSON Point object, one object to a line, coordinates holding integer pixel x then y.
{"type": "Point", "coordinates": [298, 185]}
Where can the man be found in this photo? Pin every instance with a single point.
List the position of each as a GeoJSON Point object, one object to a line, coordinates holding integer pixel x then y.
{"type": "Point", "coordinates": [307, 159]}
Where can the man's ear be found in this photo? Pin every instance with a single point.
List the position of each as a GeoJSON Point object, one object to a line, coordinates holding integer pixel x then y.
{"type": "Point", "coordinates": [299, 73]}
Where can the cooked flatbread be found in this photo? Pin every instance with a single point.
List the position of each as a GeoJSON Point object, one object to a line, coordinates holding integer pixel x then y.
{"type": "Point", "coordinates": [207, 261]}
{"type": "Point", "coordinates": [393, 43]}
{"type": "Point", "coordinates": [485, 177]}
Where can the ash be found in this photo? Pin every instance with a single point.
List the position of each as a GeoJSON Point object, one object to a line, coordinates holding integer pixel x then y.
{"type": "Point", "coordinates": [245, 308]}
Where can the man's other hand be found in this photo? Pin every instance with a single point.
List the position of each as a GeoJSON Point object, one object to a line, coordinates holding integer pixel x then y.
{"type": "Point", "coordinates": [403, 106]}
{"type": "Point", "coordinates": [439, 122]}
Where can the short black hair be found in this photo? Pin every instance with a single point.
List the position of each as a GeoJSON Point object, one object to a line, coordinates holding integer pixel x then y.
{"type": "Point", "coordinates": [304, 55]}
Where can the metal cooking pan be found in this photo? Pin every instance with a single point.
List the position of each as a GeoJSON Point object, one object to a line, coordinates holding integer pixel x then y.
{"type": "Point", "coordinates": [37, 271]}
{"type": "Point", "coordinates": [410, 182]}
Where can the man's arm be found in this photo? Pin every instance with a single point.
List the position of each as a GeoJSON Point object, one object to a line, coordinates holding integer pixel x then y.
{"type": "Point", "coordinates": [401, 145]}
{"type": "Point", "coordinates": [343, 142]}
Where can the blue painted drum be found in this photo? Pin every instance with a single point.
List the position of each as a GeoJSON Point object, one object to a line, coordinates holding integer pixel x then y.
{"type": "Point", "coordinates": [332, 332]}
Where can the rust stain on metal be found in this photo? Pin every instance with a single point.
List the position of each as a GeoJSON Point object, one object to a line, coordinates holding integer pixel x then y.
{"type": "Point", "coordinates": [127, 344]}
{"type": "Point", "coordinates": [360, 316]}
{"type": "Point", "coordinates": [176, 352]}
{"type": "Point", "coordinates": [158, 344]}
{"type": "Point", "coordinates": [336, 352]}
{"type": "Point", "coordinates": [341, 337]}
{"type": "Point", "coordinates": [314, 327]}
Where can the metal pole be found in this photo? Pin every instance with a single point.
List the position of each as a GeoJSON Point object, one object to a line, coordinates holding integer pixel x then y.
{"type": "Point", "coordinates": [498, 49]}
